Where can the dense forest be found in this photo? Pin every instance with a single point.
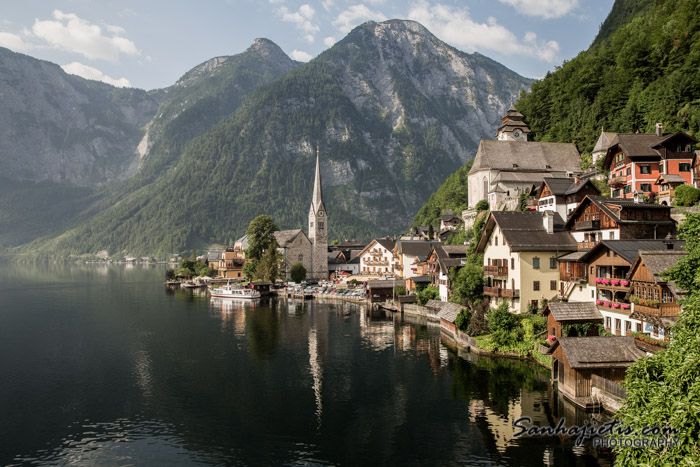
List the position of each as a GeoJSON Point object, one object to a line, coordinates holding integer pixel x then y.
{"type": "Point", "coordinates": [452, 194]}
{"type": "Point", "coordinates": [641, 69]}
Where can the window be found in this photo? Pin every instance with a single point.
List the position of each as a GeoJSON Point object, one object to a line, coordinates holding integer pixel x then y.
{"type": "Point", "coordinates": [661, 168]}
{"type": "Point", "coordinates": [552, 285]}
{"type": "Point", "coordinates": [592, 270]}
{"type": "Point", "coordinates": [684, 167]}
{"type": "Point", "coordinates": [645, 187]}
{"type": "Point", "coordinates": [311, 224]}
{"type": "Point", "coordinates": [592, 293]}
{"type": "Point", "coordinates": [301, 258]}
{"type": "Point", "coordinates": [616, 193]}
{"type": "Point", "coordinates": [535, 263]}
{"type": "Point", "coordinates": [535, 285]}
{"type": "Point", "coordinates": [612, 237]}
{"type": "Point", "coordinates": [656, 330]}
{"type": "Point", "coordinates": [618, 326]}
{"type": "Point", "coordinates": [552, 263]}
{"type": "Point", "coordinates": [629, 170]}
{"type": "Point", "coordinates": [639, 327]}
{"type": "Point", "coordinates": [645, 169]}
{"type": "Point", "coordinates": [512, 263]}
{"type": "Point", "coordinates": [607, 322]}
{"type": "Point", "coordinates": [628, 189]}
{"type": "Point", "coordinates": [495, 239]}
{"type": "Point", "coordinates": [320, 224]}
{"type": "Point", "coordinates": [628, 327]}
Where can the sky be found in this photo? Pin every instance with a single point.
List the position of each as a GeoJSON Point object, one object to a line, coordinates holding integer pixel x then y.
{"type": "Point", "coordinates": [150, 44]}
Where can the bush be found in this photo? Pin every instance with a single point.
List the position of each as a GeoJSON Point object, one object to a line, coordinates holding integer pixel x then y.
{"type": "Point", "coordinates": [463, 319]}
{"type": "Point", "coordinates": [429, 293]}
{"type": "Point", "coordinates": [501, 319]}
{"type": "Point", "coordinates": [686, 195]}
{"type": "Point", "coordinates": [297, 272]}
{"type": "Point", "coordinates": [482, 205]}
{"type": "Point", "coordinates": [478, 323]}
{"type": "Point", "coordinates": [400, 290]}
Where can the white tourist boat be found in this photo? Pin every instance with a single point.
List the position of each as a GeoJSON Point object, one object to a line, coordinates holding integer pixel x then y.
{"type": "Point", "coordinates": [234, 291]}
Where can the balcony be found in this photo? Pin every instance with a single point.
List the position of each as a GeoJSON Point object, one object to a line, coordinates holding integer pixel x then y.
{"type": "Point", "coordinates": [617, 307]}
{"type": "Point", "coordinates": [492, 291]}
{"type": "Point", "coordinates": [588, 225]}
{"type": "Point", "coordinates": [496, 270]}
{"type": "Point", "coordinates": [510, 293]}
{"type": "Point", "coordinates": [661, 309]}
{"type": "Point", "coordinates": [586, 245]}
{"type": "Point", "coordinates": [666, 193]}
{"type": "Point", "coordinates": [612, 284]}
{"type": "Point", "coordinates": [618, 181]}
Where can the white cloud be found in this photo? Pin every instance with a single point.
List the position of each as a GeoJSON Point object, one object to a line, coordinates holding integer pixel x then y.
{"type": "Point", "coordinates": [301, 56]}
{"type": "Point", "coordinates": [14, 42]}
{"type": "Point", "coordinates": [329, 41]}
{"type": "Point", "coordinates": [302, 20]}
{"type": "Point", "coordinates": [354, 16]}
{"type": "Point", "coordinates": [70, 33]}
{"type": "Point", "coordinates": [327, 4]}
{"type": "Point", "coordinates": [88, 72]}
{"type": "Point", "coordinates": [455, 26]}
{"type": "Point", "coordinates": [546, 9]}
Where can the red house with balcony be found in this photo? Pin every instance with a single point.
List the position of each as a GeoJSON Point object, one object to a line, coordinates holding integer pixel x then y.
{"type": "Point", "coordinates": [635, 161]}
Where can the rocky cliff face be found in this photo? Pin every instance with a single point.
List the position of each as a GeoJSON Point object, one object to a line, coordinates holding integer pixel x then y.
{"type": "Point", "coordinates": [60, 127]}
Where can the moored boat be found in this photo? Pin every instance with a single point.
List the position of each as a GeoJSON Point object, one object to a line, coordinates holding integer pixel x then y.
{"type": "Point", "coordinates": [234, 291]}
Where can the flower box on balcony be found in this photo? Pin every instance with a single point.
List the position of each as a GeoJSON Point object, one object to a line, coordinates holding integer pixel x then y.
{"type": "Point", "coordinates": [598, 280]}
{"type": "Point", "coordinates": [608, 304]}
{"type": "Point", "coordinates": [624, 283]}
{"type": "Point", "coordinates": [616, 305]}
{"type": "Point", "coordinates": [615, 282]}
{"type": "Point", "coordinates": [599, 302]}
{"type": "Point", "coordinates": [605, 282]}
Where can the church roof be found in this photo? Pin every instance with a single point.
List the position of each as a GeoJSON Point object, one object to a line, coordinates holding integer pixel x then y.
{"type": "Point", "coordinates": [527, 156]}
{"type": "Point", "coordinates": [317, 198]}
{"type": "Point", "coordinates": [605, 140]}
{"type": "Point", "coordinates": [285, 237]}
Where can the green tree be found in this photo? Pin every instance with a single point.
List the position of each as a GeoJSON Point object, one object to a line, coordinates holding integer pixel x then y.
{"type": "Point", "coordinates": [686, 195]}
{"type": "Point", "coordinates": [429, 293]}
{"type": "Point", "coordinates": [462, 320]}
{"type": "Point", "coordinates": [522, 201]}
{"type": "Point", "coordinates": [482, 205]}
{"type": "Point", "coordinates": [298, 272]}
{"type": "Point", "coordinates": [261, 234]}
{"type": "Point", "coordinates": [249, 269]}
{"type": "Point", "coordinates": [467, 284]}
{"type": "Point", "coordinates": [268, 267]}
{"type": "Point", "coordinates": [664, 389]}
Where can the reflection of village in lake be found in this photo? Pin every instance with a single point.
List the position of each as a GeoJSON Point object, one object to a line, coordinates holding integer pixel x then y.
{"type": "Point", "coordinates": [494, 392]}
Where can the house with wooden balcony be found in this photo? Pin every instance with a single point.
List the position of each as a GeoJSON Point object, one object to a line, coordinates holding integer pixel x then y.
{"type": "Point", "coordinates": [231, 264]}
{"type": "Point", "coordinates": [377, 258]}
{"type": "Point", "coordinates": [655, 299]}
{"type": "Point", "coordinates": [667, 184]}
{"type": "Point", "coordinates": [520, 257]}
{"type": "Point", "coordinates": [636, 161]}
{"type": "Point", "coordinates": [563, 194]}
{"type": "Point", "coordinates": [441, 261]}
{"type": "Point", "coordinates": [599, 218]}
{"type": "Point", "coordinates": [608, 266]}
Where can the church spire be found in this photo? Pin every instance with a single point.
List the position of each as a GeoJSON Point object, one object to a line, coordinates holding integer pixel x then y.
{"type": "Point", "coordinates": [317, 199]}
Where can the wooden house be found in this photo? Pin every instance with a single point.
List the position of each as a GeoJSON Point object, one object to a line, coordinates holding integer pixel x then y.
{"type": "Point", "coordinates": [563, 194]}
{"type": "Point", "coordinates": [599, 218]}
{"type": "Point", "coordinates": [561, 314]}
{"type": "Point", "coordinates": [382, 291]}
{"type": "Point", "coordinates": [635, 161]}
{"type": "Point", "coordinates": [448, 315]}
{"type": "Point", "coordinates": [667, 184]}
{"type": "Point", "coordinates": [441, 260]}
{"type": "Point", "coordinates": [654, 298]}
{"type": "Point", "coordinates": [576, 359]}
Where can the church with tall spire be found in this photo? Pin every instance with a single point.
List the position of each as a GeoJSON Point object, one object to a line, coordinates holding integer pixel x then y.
{"type": "Point", "coordinates": [318, 229]}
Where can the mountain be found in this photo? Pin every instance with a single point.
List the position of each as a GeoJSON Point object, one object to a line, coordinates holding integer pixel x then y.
{"type": "Point", "coordinates": [63, 135]}
{"type": "Point", "coordinates": [391, 109]}
{"type": "Point", "coordinates": [60, 127]}
{"type": "Point", "coordinates": [640, 70]}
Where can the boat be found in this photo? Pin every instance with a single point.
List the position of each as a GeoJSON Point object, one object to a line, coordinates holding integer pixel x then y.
{"type": "Point", "coordinates": [234, 291]}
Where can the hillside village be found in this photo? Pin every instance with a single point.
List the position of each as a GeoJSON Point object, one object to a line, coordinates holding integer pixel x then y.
{"type": "Point", "coordinates": [542, 242]}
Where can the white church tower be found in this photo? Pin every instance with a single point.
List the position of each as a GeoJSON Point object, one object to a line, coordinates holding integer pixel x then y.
{"type": "Point", "coordinates": [318, 230]}
{"type": "Point", "coordinates": [512, 128]}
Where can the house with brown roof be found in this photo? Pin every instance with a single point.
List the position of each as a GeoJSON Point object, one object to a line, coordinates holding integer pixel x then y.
{"type": "Point", "coordinates": [667, 184]}
{"type": "Point", "coordinates": [576, 360]}
{"type": "Point", "coordinates": [408, 254]}
{"type": "Point", "coordinates": [377, 258]}
{"type": "Point", "coordinates": [599, 218]}
{"type": "Point", "coordinates": [441, 260]}
{"type": "Point", "coordinates": [655, 299]}
{"type": "Point", "coordinates": [510, 165]}
{"type": "Point", "coordinates": [520, 257]}
{"type": "Point", "coordinates": [635, 161]}
{"type": "Point", "coordinates": [572, 319]}
{"type": "Point", "coordinates": [563, 194]}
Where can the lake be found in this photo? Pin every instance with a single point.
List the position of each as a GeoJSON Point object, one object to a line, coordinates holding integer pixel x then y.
{"type": "Point", "coordinates": [102, 364]}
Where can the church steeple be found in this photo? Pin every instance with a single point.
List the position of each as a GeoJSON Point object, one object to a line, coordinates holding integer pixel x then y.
{"type": "Point", "coordinates": [317, 198]}
{"type": "Point", "coordinates": [512, 128]}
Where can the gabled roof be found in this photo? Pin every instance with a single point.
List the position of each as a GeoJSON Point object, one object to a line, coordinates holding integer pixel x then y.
{"type": "Point", "coordinates": [609, 205]}
{"type": "Point", "coordinates": [677, 135]}
{"type": "Point", "coordinates": [670, 178]}
{"type": "Point", "coordinates": [420, 248]}
{"type": "Point", "coordinates": [285, 237]}
{"type": "Point", "coordinates": [449, 311]}
{"type": "Point", "coordinates": [434, 304]}
{"type": "Point", "coordinates": [420, 279]}
{"type": "Point", "coordinates": [573, 311]}
{"type": "Point", "coordinates": [657, 262]}
{"type": "Point", "coordinates": [449, 217]}
{"type": "Point", "coordinates": [599, 352]}
{"type": "Point", "coordinates": [386, 284]}
{"type": "Point", "coordinates": [385, 242]}
{"type": "Point", "coordinates": [629, 249]}
{"type": "Point", "coordinates": [528, 155]}
{"type": "Point", "coordinates": [643, 146]}
{"type": "Point", "coordinates": [605, 140]}
{"type": "Point", "coordinates": [525, 231]}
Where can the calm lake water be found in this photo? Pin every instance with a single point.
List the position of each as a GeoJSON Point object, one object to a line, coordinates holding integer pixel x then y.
{"type": "Point", "coordinates": [103, 365]}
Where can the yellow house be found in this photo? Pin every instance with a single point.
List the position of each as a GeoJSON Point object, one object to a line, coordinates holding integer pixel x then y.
{"type": "Point", "coordinates": [520, 257]}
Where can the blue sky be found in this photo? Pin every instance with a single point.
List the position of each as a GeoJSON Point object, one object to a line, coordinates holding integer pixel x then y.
{"type": "Point", "coordinates": [151, 43]}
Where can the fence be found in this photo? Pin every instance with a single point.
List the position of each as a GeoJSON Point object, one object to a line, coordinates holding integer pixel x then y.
{"type": "Point", "coordinates": [608, 386]}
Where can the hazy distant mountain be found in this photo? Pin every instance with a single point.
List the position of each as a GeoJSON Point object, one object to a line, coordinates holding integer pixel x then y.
{"type": "Point", "coordinates": [392, 110]}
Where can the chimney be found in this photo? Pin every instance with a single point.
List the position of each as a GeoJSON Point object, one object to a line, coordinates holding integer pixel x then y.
{"type": "Point", "coordinates": [659, 129]}
{"type": "Point", "coordinates": [577, 179]}
{"type": "Point", "coordinates": [669, 241]}
{"type": "Point", "coordinates": [548, 221]}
